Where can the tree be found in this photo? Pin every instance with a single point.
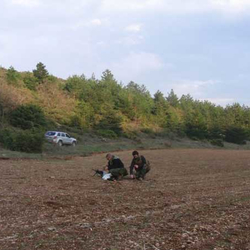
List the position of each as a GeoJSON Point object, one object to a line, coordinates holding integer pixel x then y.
{"type": "Point", "coordinates": [107, 76]}
{"type": "Point", "coordinates": [28, 117]}
{"type": "Point", "coordinates": [160, 108]}
{"type": "Point", "coordinates": [172, 98]}
{"type": "Point", "coordinates": [12, 76]}
{"type": "Point", "coordinates": [40, 72]}
{"type": "Point", "coordinates": [236, 135]}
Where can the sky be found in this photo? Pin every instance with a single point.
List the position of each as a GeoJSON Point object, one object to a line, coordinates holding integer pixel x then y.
{"type": "Point", "coordinates": [196, 47]}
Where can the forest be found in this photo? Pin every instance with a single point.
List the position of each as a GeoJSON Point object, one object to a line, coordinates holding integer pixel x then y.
{"type": "Point", "coordinates": [33, 102]}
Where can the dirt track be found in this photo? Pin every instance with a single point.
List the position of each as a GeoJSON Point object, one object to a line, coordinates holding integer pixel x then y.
{"type": "Point", "coordinates": [192, 199]}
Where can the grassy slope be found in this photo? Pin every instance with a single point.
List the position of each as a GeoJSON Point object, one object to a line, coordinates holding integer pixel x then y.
{"type": "Point", "coordinates": [89, 144]}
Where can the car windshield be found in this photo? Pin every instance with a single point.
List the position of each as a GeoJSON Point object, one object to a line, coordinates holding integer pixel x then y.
{"type": "Point", "coordinates": [50, 133]}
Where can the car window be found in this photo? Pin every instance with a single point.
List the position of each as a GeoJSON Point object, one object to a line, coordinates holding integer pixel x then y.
{"type": "Point", "coordinates": [63, 135]}
{"type": "Point", "coordinates": [50, 133]}
{"type": "Point", "coordinates": [67, 135]}
{"type": "Point", "coordinates": [58, 134]}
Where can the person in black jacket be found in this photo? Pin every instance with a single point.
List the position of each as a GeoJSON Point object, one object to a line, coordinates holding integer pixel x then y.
{"type": "Point", "coordinates": [115, 166]}
{"type": "Point", "coordinates": [140, 165]}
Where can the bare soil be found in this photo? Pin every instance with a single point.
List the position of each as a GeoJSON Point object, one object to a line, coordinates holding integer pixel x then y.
{"type": "Point", "coordinates": [191, 199]}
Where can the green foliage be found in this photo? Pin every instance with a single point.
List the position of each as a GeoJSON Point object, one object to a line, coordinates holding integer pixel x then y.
{"type": "Point", "coordinates": [12, 76]}
{"type": "Point", "coordinates": [197, 131]}
{"type": "Point", "coordinates": [172, 99]}
{"type": "Point", "coordinates": [6, 138]}
{"type": "Point", "coordinates": [30, 82]}
{"type": "Point", "coordinates": [51, 78]}
{"type": "Point", "coordinates": [40, 72]}
{"type": "Point", "coordinates": [130, 135]}
{"type": "Point", "coordinates": [236, 135]}
{"type": "Point", "coordinates": [107, 133]}
{"type": "Point", "coordinates": [106, 105]}
{"type": "Point", "coordinates": [111, 122]}
{"type": "Point", "coordinates": [141, 101]}
{"type": "Point", "coordinates": [24, 141]}
{"type": "Point", "coordinates": [28, 117]}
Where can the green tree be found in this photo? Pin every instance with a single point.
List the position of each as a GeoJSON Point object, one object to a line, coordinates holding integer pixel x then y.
{"type": "Point", "coordinates": [28, 117]}
{"type": "Point", "coordinates": [12, 76]}
{"type": "Point", "coordinates": [40, 72]}
{"type": "Point", "coordinates": [236, 135]}
{"type": "Point", "coordinates": [160, 109]}
{"type": "Point", "coordinates": [172, 98]}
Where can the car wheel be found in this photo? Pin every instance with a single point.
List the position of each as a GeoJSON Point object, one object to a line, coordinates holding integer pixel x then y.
{"type": "Point", "coordinates": [60, 143]}
{"type": "Point", "coordinates": [73, 144]}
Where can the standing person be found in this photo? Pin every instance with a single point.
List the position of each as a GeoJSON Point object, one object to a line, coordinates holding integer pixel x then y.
{"type": "Point", "coordinates": [115, 167]}
{"type": "Point", "coordinates": [140, 165]}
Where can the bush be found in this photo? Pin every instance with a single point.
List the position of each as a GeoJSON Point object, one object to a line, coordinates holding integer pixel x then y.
{"type": "Point", "coordinates": [236, 135]}
{"type": "Point", "coordinates": [28, 117]}
{"type": "Point", "coordinates": [30, 82]}
{"type": "Point", "coordinates": [24, 141]}
{"type": "Point", "coordinates": [132, 135]}
{"type": "Point", "coordinates": [107, 133]}
{"type": "Point", "coordinates": [7, 138]}
{"type": "Point", "coordinates": [196, 132]}
{"type": "Point", "coordinates": [12, 76]}
{"type": "Point", "coordinates": [112, 122]}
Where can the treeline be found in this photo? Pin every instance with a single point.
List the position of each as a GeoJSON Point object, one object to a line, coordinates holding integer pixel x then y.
{"type": "Point", "coordinates": [112, 109]}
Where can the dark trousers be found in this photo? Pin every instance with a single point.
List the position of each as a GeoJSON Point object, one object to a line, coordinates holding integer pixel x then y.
{"type": "Point", "coordinates": [117, 172]}
{"type": "Point", "coordinates": [142, 172]}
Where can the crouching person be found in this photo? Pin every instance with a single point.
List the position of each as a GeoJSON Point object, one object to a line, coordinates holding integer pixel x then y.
{"type": "Point", "coordinates": [115, 167]}
{"type": "Point", "coordinates": [139, 166]}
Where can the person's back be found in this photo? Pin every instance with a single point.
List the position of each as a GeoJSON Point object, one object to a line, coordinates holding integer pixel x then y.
{"type": "Point", "coordinates": [116, 167]}
{"type": "Point", "coordinates": [115, 162]}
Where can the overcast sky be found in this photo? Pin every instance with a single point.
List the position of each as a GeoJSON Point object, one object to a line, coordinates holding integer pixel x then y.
{"type": "Point", "coordinates": [196, 47]}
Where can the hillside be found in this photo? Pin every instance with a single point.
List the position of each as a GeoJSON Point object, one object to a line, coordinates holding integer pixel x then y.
{"type": "Point", "coordinates": [33, 102]}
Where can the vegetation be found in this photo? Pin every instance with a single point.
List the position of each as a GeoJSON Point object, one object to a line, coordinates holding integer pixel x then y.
{"type": "Point", "coordinates": [29, 100]}
{"type": "Point", "coordinates": [40, 73]}
{"type": "Point", "coordinates": [12, 76]}
{"type": "Point", "coordinates": [23, 141]}
{"type": "Point", "coordinates": [28, 117]}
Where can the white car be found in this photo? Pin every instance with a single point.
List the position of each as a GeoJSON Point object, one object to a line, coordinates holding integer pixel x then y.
{"type": "Point", "coordinates": [60, 138]}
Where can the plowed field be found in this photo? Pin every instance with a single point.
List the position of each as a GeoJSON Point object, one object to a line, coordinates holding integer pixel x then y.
{"type": "Point", "coordinates": [191, 199]}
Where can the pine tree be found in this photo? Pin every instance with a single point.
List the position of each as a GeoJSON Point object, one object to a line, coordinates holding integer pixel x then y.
{"type": "Point", "coordinates": [40, 72]}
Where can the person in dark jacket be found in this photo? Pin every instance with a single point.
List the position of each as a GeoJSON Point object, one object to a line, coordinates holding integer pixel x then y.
{"type": "Point", "coordinates": [140, 165]}
{"type": "Point", "coordinates": [115, 166]}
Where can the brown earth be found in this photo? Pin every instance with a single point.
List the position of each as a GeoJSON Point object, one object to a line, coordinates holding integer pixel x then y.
{"type": "Point", "coordinates": [192, 199]}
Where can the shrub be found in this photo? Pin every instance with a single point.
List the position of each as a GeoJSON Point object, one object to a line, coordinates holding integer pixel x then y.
{"type": "Point", "coordinates": [29, 142]}
{"type": "Point", "coordinates": [132, 135]}
{"type": "Point", "coordinates": [236, 135]}
{"type": "Point", "coordinates": [107, 133]}
{"type": "Point", "coordinates": [196, 132]}
{"type": "Point", "coordinates": [112, 122]}
{"type": "Point", "coordinates": [30, 82]}
{"type": "Point", "coordinates": [6, 138]}
{"type": "Point", "coordinates": [12, 76]}
{"type": "Point", "coordinates": [28, 117]}
{"type": "Point", "coordinates": [24, 141]}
